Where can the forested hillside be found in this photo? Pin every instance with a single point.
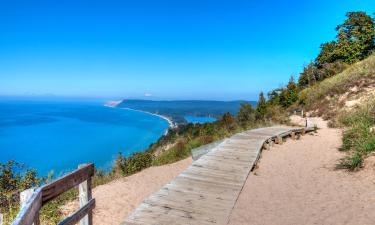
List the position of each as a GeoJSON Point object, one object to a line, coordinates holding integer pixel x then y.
{"type": "Point", "coordinates": [339, 85]}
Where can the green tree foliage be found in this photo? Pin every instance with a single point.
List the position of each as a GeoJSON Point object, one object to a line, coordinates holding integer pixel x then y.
{"type": "Point", "coordinates": [289, 94]}
{"type": "Point", "coordinates": [14, 178]}
{"type": "Point", "coordinates": [309, 76]}
{"type": "Point", "coordinates": [261, 109]}
{"type": "Point", "coordinates": [285, 96]}
{"type": "Point", "coordinates": [274, 96]}
{"type": "Point", "coordinates": [132, 164]}
{"type": "Point", "coordinates": [355, 40]}
{"type": "Point", "coordinates": [245, 115]}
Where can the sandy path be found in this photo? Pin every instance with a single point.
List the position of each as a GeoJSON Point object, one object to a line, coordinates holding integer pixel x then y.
{"type": "Point", "coordinates": [296, 183]}
{"type": "Point", "coordinates": [117, 199]}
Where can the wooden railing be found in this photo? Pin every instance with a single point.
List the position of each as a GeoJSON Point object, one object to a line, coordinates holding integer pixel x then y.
{"type": "Point", "coordinates": [33, 200]}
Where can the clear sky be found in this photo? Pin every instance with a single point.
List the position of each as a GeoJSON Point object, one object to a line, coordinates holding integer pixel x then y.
{"type": "Point", "coordinates": [180, 49]}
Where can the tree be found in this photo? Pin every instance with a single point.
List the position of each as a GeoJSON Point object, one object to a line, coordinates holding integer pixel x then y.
{"type": "Point", "coordinates": [246, 114]}
{"type": "Point", "coordinates": [289, 94]}
{"type": "Point", "coordinates": [274, 96]}
{"type": "Point", "coordinates": [358, 31]}
{"type": "Point", "coordinates": [327, 53]}
{"type": "Point", "coordinates": [308, 77]}
{"type": "Point", "coordinates": [261, 109]}
{"type": "Point", "coordinates": [355, 40]}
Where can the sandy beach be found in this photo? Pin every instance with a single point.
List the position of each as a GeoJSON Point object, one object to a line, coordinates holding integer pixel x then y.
{"type": "Point", "coordinates": [297, 183]}
{"type": "Point", "coordinates": [170, 122]}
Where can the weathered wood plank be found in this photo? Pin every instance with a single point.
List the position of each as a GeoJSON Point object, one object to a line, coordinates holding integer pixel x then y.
{"type": "Point", "coordinates": [80, 214]}
{"type": "Point", "coordinates": [30, 209]}
{"type": "Point", "coordinates": [30, 206]}
{"type": "Point", "coordinates": [54, 189]}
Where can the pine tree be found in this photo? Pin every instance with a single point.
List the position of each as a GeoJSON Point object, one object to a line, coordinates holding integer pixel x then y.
{"type": "Point", "coordinates": [261, 109]}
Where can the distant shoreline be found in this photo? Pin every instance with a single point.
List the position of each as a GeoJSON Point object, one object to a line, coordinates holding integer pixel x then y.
{"type": "Point", "coordinates": [171, 124]}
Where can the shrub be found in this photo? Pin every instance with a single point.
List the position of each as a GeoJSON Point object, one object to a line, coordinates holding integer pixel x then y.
{"type": "Point", "coordinates": [138, 162]}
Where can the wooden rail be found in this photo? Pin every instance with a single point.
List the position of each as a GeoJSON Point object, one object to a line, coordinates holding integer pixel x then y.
{"type": "Point", "coordinates": [31, 205]}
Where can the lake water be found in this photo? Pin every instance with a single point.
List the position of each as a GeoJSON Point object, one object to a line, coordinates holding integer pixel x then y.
{"type": "Point", "coordinates": [199, 119]}
{"type": "Point", "coordinates": [60, 135]}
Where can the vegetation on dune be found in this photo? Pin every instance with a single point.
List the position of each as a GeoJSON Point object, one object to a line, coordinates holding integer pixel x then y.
{"type": "Point", "coordinates": [359, 137]}
{"type": "Point", "coordinates": [354, 42]}
{"type": "Point", "coordinates": [343, 64]}
{"type": "Point", "coordinates": [359, 74]}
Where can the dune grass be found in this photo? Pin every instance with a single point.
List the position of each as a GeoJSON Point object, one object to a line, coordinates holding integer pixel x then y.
{"type": "Point", "coordinates": [358, 137]}
{"type": "Point", "coordinates": [356, 75]}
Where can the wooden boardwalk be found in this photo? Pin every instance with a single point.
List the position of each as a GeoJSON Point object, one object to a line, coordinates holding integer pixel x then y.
{"type": "Point", "coordinates": [205, 193]}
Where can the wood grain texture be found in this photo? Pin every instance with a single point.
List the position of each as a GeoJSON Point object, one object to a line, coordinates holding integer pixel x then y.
{"type": "Point", "coordinates": [30, 211]}
{"type": "Point", "coordinates": [206, 192]}
{"type": "Point", "coordinates": [54, 189]}
{"type": "Point", "coordinates": [80, 214]}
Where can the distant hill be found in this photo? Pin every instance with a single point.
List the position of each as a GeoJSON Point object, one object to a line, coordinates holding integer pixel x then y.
{"type": "Point", "coordinates": [177, 110]}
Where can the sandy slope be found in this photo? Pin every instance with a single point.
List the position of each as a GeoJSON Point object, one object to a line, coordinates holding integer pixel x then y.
{"type": "Point", "coordinates": [296, 183]}
{"type": "Point", "coordinates": [117, 199]}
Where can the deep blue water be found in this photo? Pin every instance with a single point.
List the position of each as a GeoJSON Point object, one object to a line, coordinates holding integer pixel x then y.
{"type": "Point", "coordinates": [60, 135]}
{"type": "Point", "coordinates": [199, 119]}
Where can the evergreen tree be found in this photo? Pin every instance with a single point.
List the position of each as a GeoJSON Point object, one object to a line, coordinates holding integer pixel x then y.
{"type": "Point", "coordinates": [261, 109]}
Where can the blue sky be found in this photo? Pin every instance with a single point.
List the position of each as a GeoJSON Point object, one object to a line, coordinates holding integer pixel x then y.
{"type": "Point", "coordinates": [186, 49]}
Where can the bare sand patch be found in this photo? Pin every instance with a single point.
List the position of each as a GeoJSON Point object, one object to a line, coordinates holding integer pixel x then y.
{"type": "Point", "coordinates": [297, 183]}
{"type": "Point", "coordinates": [117, 199]}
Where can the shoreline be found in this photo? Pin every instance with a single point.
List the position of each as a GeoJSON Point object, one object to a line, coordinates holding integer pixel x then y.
{"type": "Point", "coordinates": [171, 124]}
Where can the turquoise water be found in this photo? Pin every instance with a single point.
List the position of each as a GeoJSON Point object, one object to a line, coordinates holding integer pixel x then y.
{"type": "Point", "coordinates": [199, 119]}
{"type": "Point", "coordinates": [60, 135]}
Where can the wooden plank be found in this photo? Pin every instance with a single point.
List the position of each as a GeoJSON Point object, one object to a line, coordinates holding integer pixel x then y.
{"type": "Point", "coordinates": [84, 197]}
{"type": "Point", "coordinates": [167, 215]}
{"type": "Point", "coordinates": [80, 214]}
{"type": "Point", "coordinates": [187, 191]}
{"type": "Point", "coordinates": [191, 203]}
{"type": "Point", "coordinates": [54, 189]}
{"type": "Point", "coordinates": [30, 210]}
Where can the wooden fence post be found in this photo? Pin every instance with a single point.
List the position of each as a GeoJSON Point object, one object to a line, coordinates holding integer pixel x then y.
{"type": "Point", "coordinates": [266, 146]}
{"type": "Point", "coordinates": [85, 196]}
{"type": "Point", "coordinates": [279, 140]}
{"type": "Point", "coordinates": [24, 197]}
{"type": "Point", "coordinates": [1, 219]}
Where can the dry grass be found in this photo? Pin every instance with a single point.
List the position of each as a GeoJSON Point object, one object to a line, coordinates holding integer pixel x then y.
{"type": "Point", "coordinates": [325, 96]}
